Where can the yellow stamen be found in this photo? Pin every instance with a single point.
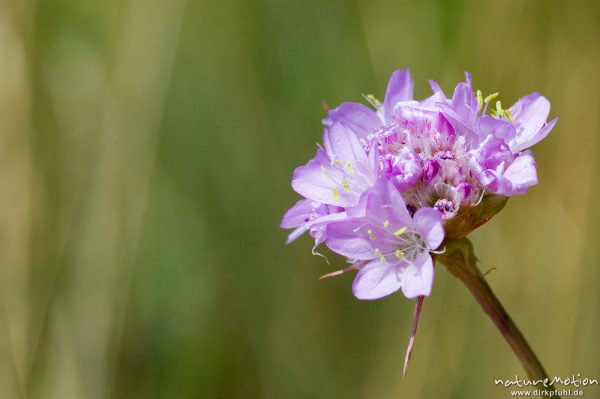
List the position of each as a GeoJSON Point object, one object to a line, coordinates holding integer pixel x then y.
{"type": "Point", "coordinates": [325, 171]}
{"type": "Point", "coordinates": [386, 223]}
{"type": "Point", "coordinates": [490, 98]}
{"type": "Point", "coordinates": [479, 98]}
{"type": "Point", "coordinates": [336, 194]}
{"type": "Point", "coordinates": [399, 254]}
{"type": "Point", "coordinates": [400, 231]}
{"type": "Point", "coordinates": [371, 235]}
{"type": "Point", "coordinates": [346, 186]}
{"type": "Point", "coordinates": [373, 100]}
{"type": "Point", "coordinates": [499, 110]}
{"type": "Point", "coordinates": [350, 168]}
{"type": "Point", "coordinates": [378, 252]}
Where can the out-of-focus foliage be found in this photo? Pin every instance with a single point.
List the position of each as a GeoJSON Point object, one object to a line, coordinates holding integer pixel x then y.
{"type": "Point", "coordinates": [146, 152]}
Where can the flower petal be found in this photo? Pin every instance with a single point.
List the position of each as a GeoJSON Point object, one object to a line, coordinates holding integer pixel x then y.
{"type": "Point", "coordinates": [464, 103]}
{"type": "Point", "coordinates": [437, 96]}
{"type": "Point", "coordinates": [341, 143]}
{"type": "Point", "coordinates": [343, 238]}
{"type": "Point", "coordinates": [502, 129]}
{"type": "Point", "coordinates": [530, 114]}
{"type": "Point", "coordinates": [384, 202]}
{"type": "Point", "coordinates": [311, 183]}
{"type": "Point", "coordinates": [297, 214]}
{"type": "Point", "coordinates": [428, 224]}
{"type": "Point", "coordinates": [318, 225]}
{"type": "Point", "coordinates": [417, 278]}
{"type": "Point", "coordinates": [296, 233]}
{"type": "Point", "coordinates": [376, 280]}
{"type": "Point", "coordinates": [443, 126]}
{"type": "Point", "coordinates": [339, 175]}
{"type": "Point", "coordinates": [400, 88]}
{"type": "Point", "coordinates": [322, 186]}
{"type": "Point", "coordinates": [360, 118]}
{"type": "Point", "coordinates": [519, 176]}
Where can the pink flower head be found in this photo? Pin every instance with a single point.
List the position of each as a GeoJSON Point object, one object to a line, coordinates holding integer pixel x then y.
{"type": "Point", "coordinates": [413, 166]}
{"type": "Point", "coordinates": [392, 182]}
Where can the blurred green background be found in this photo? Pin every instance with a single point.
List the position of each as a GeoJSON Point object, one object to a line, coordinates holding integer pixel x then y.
{"type": "Point", "coordinates": [146, 153]}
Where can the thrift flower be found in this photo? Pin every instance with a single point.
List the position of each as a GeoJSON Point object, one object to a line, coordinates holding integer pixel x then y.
{"type": "Point", "coordinates": [391, 182]}
{"type": "Point", "coordinates": [460, 157]}
{"type": "Point", "coordinates": [393, 246]}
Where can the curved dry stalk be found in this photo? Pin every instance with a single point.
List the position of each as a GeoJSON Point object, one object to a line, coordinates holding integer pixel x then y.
{"type": "Point", "coordinates": [413, 333]}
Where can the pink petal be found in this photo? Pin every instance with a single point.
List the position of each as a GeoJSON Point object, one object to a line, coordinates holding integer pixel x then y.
{"type": "Point", "coordinates": [400, 88]}
{"type": "Point", "coordinates": [376, 280]}
{"type": "Point", "coordinates": [428, 224]}
{"type": "Point", "coordinates": [417, 278]}
{"type": "Point", "coordinates": [438, 95]}
{"type": "Point", "coordinates": [530, 114]}
{"type": "Point", "coordinates": [361, 119]}
{"type": "Point", "coordinates": [342, 238]}
{"type": "Point", "coordinates": [342, 144]}
{"type": "Point", "coordinates": [519, 176]}
{"type": "Point", "coordinates": [312, 183]}
{"type": "Point", "coordinates": [385, 202]}
{"type": "Point", "coordinates": [296, 233]}
{"type": "Point", "coordinates": [502, 129]}
{"type": "Point", "coordinates": [297, 214]}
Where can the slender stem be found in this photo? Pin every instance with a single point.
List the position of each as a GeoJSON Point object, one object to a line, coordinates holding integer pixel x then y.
{"type": "Point", "coordinates": [462, 263]}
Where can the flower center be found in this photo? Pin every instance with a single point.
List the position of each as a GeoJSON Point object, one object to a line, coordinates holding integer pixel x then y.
{"type": "Point", "coordinates": [445, 155]}
{"type": "Point", "coordinates": [409, 245]}
{"type": "Point", "coordinates": [445, 207]}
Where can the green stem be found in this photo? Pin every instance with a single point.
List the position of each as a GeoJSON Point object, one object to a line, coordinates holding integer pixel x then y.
{"type": "Point", "coordinates": [462, 263]}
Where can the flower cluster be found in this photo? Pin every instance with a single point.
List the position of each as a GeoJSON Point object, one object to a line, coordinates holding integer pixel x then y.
{"type": "Point", "coordinates": [391, 181]}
